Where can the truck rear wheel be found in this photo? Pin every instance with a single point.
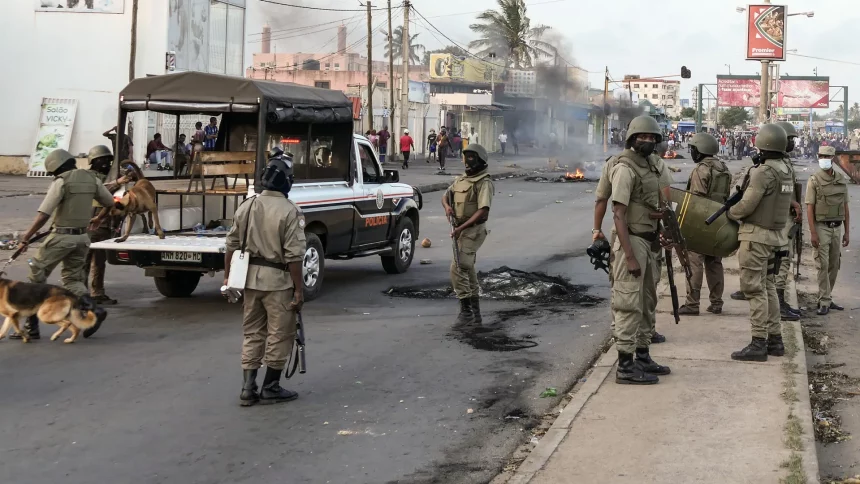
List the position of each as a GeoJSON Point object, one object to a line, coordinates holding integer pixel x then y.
{"type": "Point", "coordinates": [177, 283]}
{"type": "Point", "coordinates": [404, 248]}
{"type": "Point", "coordinates": [313, 266]}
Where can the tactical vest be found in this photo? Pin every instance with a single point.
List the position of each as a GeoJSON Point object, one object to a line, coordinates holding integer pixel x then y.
{"type": "Point", "coordinates": [720, 181]}
{"type": "Point", "coordinates": [772, 211]}
{"type": "Point", "coordinates": [644, 197]}
{"type": "Point", "coordinates": [830, 197]}
{"type": "Point", "coordinates": [79, 190]}
{"type": "Point", "coordinates": [465, 193]}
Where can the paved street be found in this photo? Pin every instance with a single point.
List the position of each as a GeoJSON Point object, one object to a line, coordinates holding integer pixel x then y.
{"type": "Point", "coordinates": [153, 396]}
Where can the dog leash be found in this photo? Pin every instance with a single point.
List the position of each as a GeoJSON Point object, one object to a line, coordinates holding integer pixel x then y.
{"type": "Point", "coordinates": [17, 253]}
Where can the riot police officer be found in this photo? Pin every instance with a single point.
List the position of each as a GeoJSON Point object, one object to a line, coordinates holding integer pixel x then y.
{"type": "Point", "coordinates": [69, 199]}
{"type": "Point", "coordinates": [763, 214]}
{"type": "Point", "coordinates": [273, 288]}
{"type": "Point", "coordinates": [711, 179]}
{"type": "Point", "coordinates": [786, 312]}
{"type": "Point", "coordinates": [827, 212]}
{"type": "Point", "coordinates": [636, 197]}
{"type": "Point", "coordinates": [472, 196]}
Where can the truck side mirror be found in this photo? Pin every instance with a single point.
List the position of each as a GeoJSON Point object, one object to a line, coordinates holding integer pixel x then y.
{"type": "Point", "coordinates": [391, 176]}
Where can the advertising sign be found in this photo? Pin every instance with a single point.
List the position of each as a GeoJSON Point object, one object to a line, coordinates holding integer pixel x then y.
{"type": "Point", "coordinates": [451, 67]}
{"type": "Point", "coordinates": [81, 6]}
{"type": "Point", "coordinates": [419, 92]}
{"type": "Point", "coordinates": [766, 32]}
{"type": "Point", "coordinates": [794, 92]}
{"type": "Point", "coordinates": [55, 131]}
{"type": "Point", "coordinates": [521, 83]}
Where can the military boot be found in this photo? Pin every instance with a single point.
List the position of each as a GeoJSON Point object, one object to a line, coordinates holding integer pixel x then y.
{"type": "Point", "coordinates": [249, 395]}
{"type": "Point", "coordinates": [774, 345]}
{"type": "Point", "coordinates": [272, 391]}
{"type": "Point", "coordinates": [738, 296]}
{"type": "Point", "coordinates": [466, 315]}
{"type": "Point", "coordinates": [629, 373]}
{"type": "Point", "coordinates": [755, 351]}
{"type": "Point", "coordinates": [643, 359]}
{"type": "Point", "coordinates": [31, 327]}
{"type": "Point", "coordinates": [687, 311]}
{"type": "Point", "coordinates": [786, 312]}
{"type": "Point", "coordinates": [713, 308]}
{"type": "Point", "coordinates": [657, 338]}
{"type": "Point", "coordinates": [476, 309]}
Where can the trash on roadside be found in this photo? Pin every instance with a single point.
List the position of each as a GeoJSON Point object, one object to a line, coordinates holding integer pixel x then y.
{"type": "Point", "coordinates": [589, 191]}
{"type": "Point", "coordinates": [426, 262]}
{"type": "Point", "coordinates": [549, 392]}
{"type": "Point", "coordinates": [470, 410]}
{"type": "Point", "coordinates": [426, 243]}
{"type": "Point", "coordinates": [559, 201]}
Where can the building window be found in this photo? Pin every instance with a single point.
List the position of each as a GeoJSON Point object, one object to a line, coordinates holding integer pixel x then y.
{"type": "Point", "coordinates": [327, 64]}
{"type": "Point", "coordinates": [382, 85]}
{"type": "Point", "coordinates": [635, 86]}
{"type": "Point", "coordinates": [323, 84]}
{"type": "Point", "coordinates": [653, 96]}
{"type": "Point", "coordinates": [654, 86]}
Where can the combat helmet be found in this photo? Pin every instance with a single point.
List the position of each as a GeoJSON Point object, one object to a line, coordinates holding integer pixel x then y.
{"type": "Point", "coordinates": [705, 143]}
{"type": "Point", "coordinates": [789, 128]}
{"type": "Point", "coordinates": [56, 159]}
{"type": "Point", "coordinates": [644, 124]}
{"type": "Point", "coordinates": [98, 151]}
{"type": "Point", "coordinates": [771, 137]}
{"type": "Point", "coordinates": [479, 150]}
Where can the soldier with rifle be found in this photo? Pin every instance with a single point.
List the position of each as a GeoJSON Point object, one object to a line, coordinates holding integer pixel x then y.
{"type": "Point", "coordinates": [468, 201]}
{"type": "Point", "coordinates": [602, 195]}
{"type": "Point", "coordinates": [763, 214]}
{"type": "Point", "coordinates": [711, 179]}
{"type": "Point", "coordinates": [636, 205]}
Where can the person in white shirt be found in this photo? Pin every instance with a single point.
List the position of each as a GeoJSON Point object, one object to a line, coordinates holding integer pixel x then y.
{"type": "Point", "coordinates": [473, 137]}
{"type": "Point", "coordinates": [503, 140]}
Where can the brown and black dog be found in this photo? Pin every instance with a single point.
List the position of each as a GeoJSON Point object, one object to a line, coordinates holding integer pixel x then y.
{"type": "Point", "coordinates": [52, 304]}
{"type": "Point", "coordinates": [138, 200]}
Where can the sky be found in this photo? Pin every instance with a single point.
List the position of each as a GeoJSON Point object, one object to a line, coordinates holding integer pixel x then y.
{"type": "Point", "coordinates": [622, 36]}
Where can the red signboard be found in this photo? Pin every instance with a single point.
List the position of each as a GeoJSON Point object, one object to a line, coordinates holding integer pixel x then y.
{"type": "Point", "coordinates": [766, 32]}
{"type": "Point", "coordinates": [793, 93]}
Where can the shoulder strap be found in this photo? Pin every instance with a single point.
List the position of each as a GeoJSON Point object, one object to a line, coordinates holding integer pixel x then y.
{"type": "Point", "coordinates": [248, 224]}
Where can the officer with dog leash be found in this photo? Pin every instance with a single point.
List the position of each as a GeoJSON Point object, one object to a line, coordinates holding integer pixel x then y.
{"type": "Point", "coordinates": [69, 199]}
{"type": "Point", "coordinates": [273, 287]}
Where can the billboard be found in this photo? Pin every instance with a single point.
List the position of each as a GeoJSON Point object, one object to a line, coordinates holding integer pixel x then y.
{"type": "Point", "coordinates": [81, 6]}
{"type": "Point", "coordinates": [794, 92]}
{"type": "Point", "coordinates": [766, 32]}
{"type": "Point", "coordinates": [521, 83]}
{"type": "Point", "coordinates": [419, 92]}
{"type": "Point", "coordinates": [451, 67]}
{"type": "Point", "coordinates": [55, 131]}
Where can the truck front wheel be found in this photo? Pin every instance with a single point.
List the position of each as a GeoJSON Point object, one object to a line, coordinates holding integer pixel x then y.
{"type": "Point", "coordinates": [313, 266]}
{"type": "Point", "coordinates": [404, 248]}
{"type": "Point", "coordinates": [177, 283]}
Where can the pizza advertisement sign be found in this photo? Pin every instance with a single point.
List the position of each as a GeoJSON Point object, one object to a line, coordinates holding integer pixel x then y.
{"type": "Point", "coordinates": [766, 32]}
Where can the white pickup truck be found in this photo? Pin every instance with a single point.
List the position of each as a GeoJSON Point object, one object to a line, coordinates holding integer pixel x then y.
{"type": "Point", "coordinates": [373, 215]}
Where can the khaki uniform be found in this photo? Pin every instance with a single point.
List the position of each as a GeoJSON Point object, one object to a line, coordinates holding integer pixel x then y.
{"type": "Point", "coordinates": [712, 179]}
{"type": "Point", "coordinates": [69, 199]}
{"type": "Point", "coordinates": [781, 277]}
{"type": "Point", "coordinates": [471, 193]}
{"type": "Point", "coordinates": [828, 195]}
{"type": "Point", "coordinates": [97, 259]}
{"type": "Point", "coordinates": [636, 184]}
{"type": "Point", "coordinates": [276, 237]}
{"type": "Point", "coordinates": [604, 192]}
{"type": "Point", "coordinates": [763, 213]}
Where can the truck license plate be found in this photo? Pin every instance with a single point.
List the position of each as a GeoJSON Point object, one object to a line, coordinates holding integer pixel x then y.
{"type": "Point", "coordinates": [181, 257]}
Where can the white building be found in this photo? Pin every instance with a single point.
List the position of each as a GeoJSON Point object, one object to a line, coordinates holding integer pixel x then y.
{"type": "Point", "coordinates": [659, 92]}
{"type": "Point", "coordinates": [85, 55]}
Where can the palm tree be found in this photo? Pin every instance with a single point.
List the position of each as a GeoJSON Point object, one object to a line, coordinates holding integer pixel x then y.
{"type": "Point", "coordinates": [397, 46]}
{"type": "Point", "coordinates": [508, 33]}
{"type": "Point", "coordinates": [855, 111]}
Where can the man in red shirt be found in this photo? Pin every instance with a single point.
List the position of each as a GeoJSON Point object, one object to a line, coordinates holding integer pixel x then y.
{"type": "Point", "coordinates": [406, 146]}
{"type": "Point", "coordinates": [152, 152]}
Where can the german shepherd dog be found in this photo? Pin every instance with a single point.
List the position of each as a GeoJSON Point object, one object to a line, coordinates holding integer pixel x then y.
{"type": "Point", "coordinates": [52, 304]}
{"type": "Point", "coordinates": [139, 200]}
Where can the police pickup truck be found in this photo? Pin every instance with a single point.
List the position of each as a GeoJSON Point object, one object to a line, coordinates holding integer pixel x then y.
{"type": "Point", "coordinates": [351, 206]}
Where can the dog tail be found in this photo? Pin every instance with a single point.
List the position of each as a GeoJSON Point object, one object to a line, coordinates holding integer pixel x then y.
{"type": "Point", "coordinates": [83, 314]}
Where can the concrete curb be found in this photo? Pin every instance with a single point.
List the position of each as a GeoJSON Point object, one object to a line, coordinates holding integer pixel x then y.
{"type": "Point", "coordinates": [438, 187]}
{"type": "Point", "coordinates": [561, 427]}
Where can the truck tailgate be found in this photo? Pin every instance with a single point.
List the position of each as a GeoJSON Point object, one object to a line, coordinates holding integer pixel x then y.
{"type": "Point", "coordinates": [171, 243]}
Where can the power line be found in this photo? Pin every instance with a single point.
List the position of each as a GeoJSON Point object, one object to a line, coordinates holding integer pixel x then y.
{"type": "Point", "coordinates": [323, 9]}
{"type": "Point", "coordinates": [482, 11]}
{"type": "Point", "coordinates": [305, 27]}
{"type": "Point", "coordinates": [454, 42]}
{"type": "Point", "coordinates": [825, 59]}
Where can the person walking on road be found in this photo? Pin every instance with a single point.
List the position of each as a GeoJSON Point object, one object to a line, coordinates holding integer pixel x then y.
{"type": "Point", "coordinates": [273, 288]}
{"type": "Point", "coordinates": [406, 147]}
{"type": "Point", "coordinates": [431, 145]}
{"type": "Point", "coordinates": [503, 141]}
{"type": "Point", "coordinates": [827, 212]}
{"type": "Point", "coordinates": [472, 196]}
{"type": "Point", "coordinates": [710, 179]}
{"type": "Point", "coordinates": [442, 147]}
{"type": "Point", "coordinates": [636, 193]}
{"type": "Point", "coordinates": [70, 201]}
{"type": "Point", "coordinates": [384, 135]}
{"type": "Point", "coordinates": [763, 213]}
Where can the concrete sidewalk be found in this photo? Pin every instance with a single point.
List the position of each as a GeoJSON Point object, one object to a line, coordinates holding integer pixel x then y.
{"type": "Point", "coordinates": [712, 420]}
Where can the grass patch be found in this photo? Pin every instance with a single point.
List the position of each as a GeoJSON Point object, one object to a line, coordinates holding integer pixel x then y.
{"type": "Point", "coordinates": [793, 428]}
{"type": "Point", "coordinates": [794, 464]}
{"type": "Point", "coordinates": [793, 432]}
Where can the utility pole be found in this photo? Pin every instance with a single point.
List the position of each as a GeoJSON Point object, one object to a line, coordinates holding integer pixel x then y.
{"type": "Point", "coordinates": [404, 83]}
{"type": "Point", "coordinates": [133, 53]}
{"type": "Point", "coordinates": [389, 148]}
{"type": "Point", "coordinates": [369, 71]}
{"type": "Point", "coordinates": [764, 93]}
{"type": "Point", "coordinates": [605, 106]}
{"type": "Point", "coordinates": [699, 109]}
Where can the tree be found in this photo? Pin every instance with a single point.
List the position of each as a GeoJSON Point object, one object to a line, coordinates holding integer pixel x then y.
{"type": "Point", "coordinates": [508, 34]}
{"type": "Point", "coordinates": [840, 111]}
{"type": "Point", "coordinates": [448, 49]}
{"type": "Point", "coordinates": [688, 112]}
{"type": "Point", "coordinates": [854, 112]}
{"type": "Point", "coordinates": [397, 46]}
{"type": "Point", "coordinates": [734, 116]}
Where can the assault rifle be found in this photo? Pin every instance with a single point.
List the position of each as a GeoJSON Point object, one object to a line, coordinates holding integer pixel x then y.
{"type": "Point", "coordinates": [732, 200]}
{"type": "Point", "coordinates": [39, 236]}
{"type": "Point", "coordinates": [299, 362]}
{"type": "Point", "coordinates": [798, 237]}
{"type": "Point", "coordinates": [453, 223]}
{"type": "Point", "coordinates": [673, 232]}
